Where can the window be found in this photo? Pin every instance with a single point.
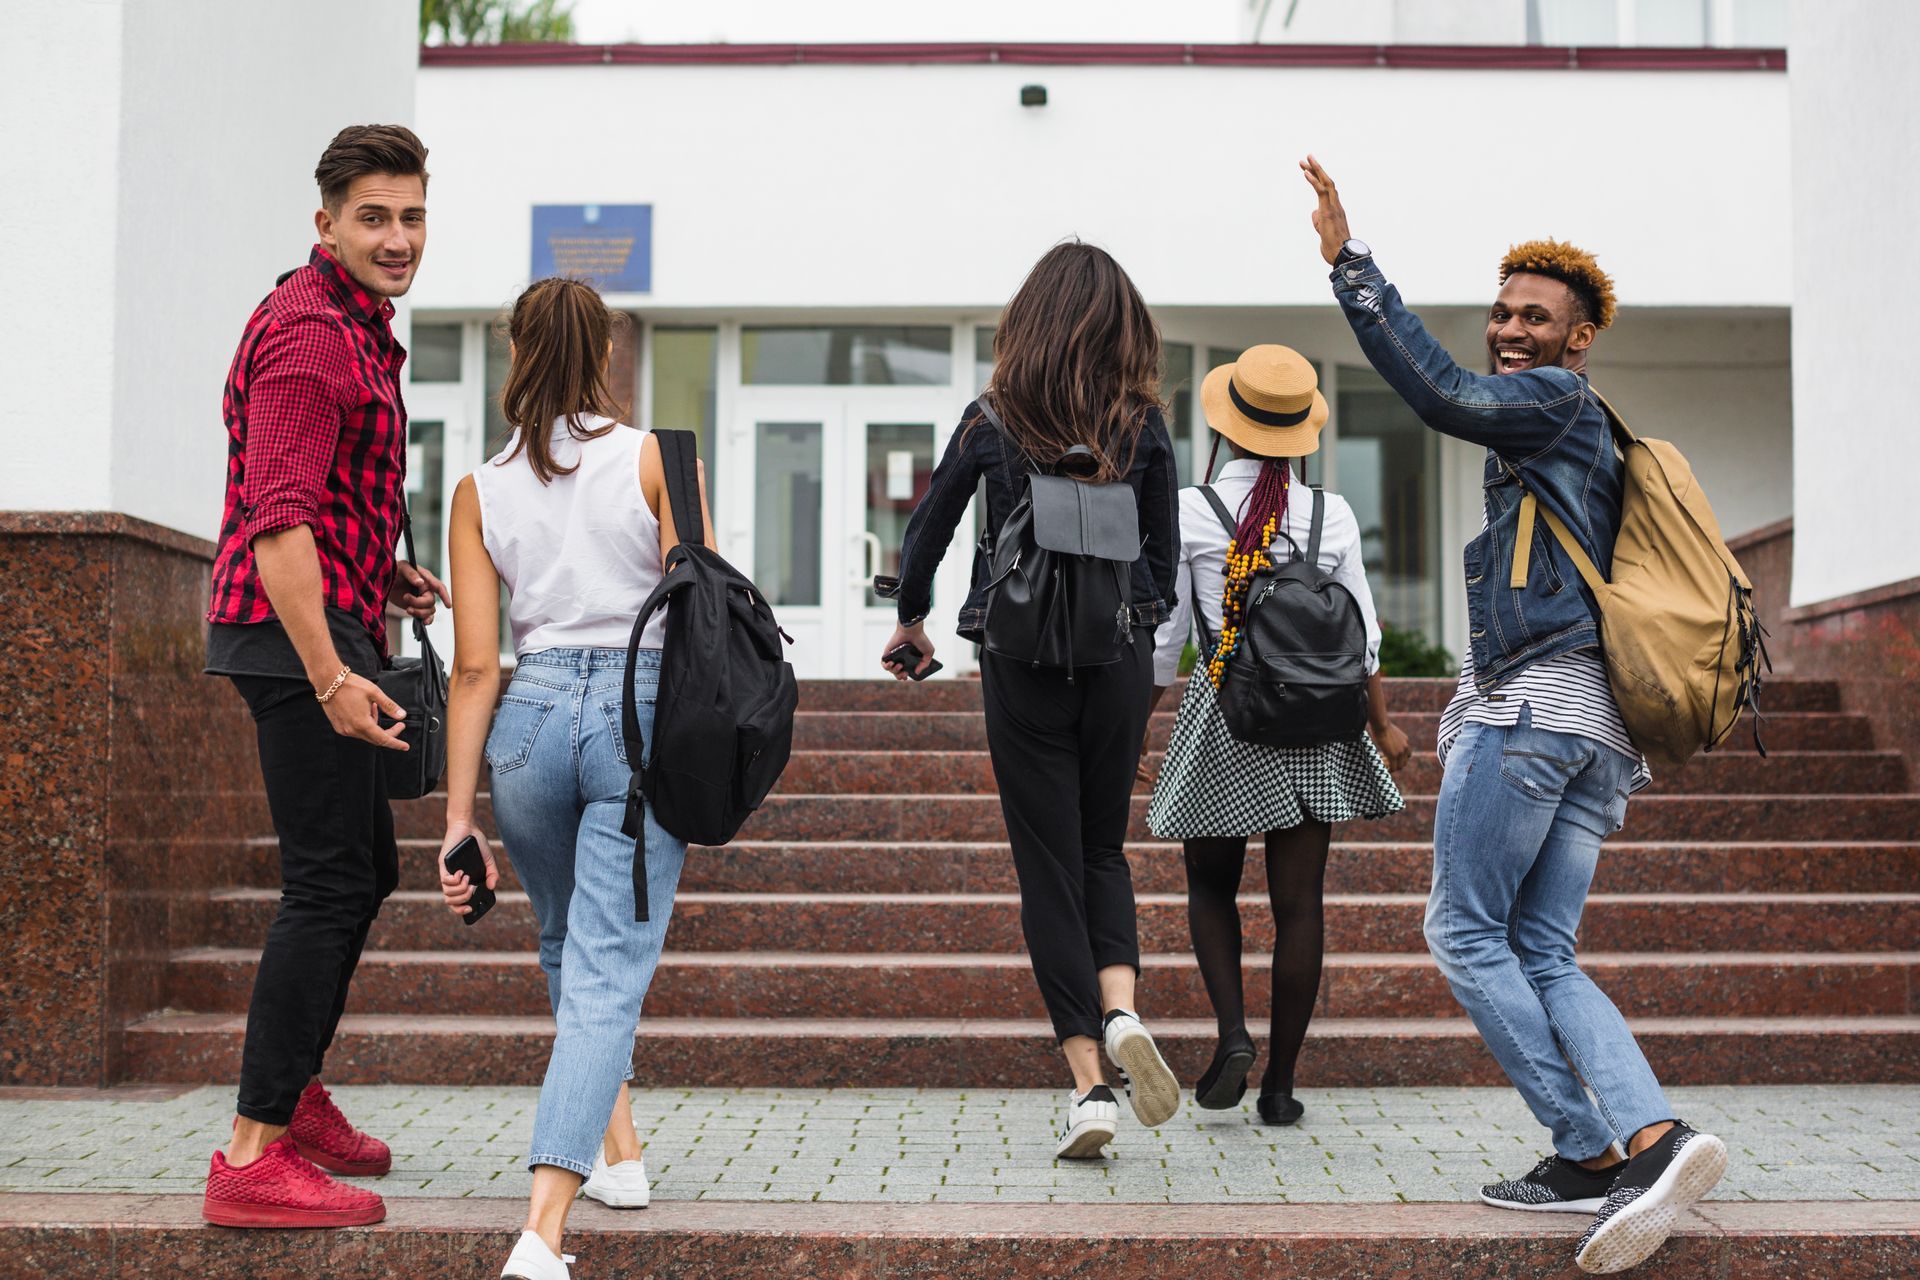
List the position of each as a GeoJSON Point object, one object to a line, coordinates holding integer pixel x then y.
{"type": "Point", "coordinates": [846, 356]}
{"type": "Point", "coordinates": [434, 354]}
{"type": "Point", "coordinates": [1176, 388]}
{"type": "Point", "coordinates": [1573, 22]}
{"type": "Point", "coordinates": [1389, 470]}
{"type": "Point", "coordinates": [685, 369]}
{"type": "Point", "coordinates": [786, 518]}
{"type": "Point", "coordinates": [982, 356]}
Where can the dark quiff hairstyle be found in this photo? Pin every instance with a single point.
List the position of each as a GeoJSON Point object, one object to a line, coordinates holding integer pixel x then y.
{"type": "Point", "coordinates": [560, 330]}
{"type": "Point", "coordinates": [1591, 287]}
{"type": "Point", "coordinates": [361, 149]}
{"type": "Point", "coordinates": [1077, 360]}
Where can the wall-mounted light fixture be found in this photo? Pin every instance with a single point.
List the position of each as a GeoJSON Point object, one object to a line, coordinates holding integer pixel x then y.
{"type": "Point", "coordinates": [1033, 95]}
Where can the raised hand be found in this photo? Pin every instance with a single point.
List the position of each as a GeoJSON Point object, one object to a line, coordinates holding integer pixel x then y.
{"type": "Point", "coordinates": [1329, 216]}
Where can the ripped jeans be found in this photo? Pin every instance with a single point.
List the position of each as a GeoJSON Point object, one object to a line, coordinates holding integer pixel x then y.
{"type": "Point", "coordinates": [1517, 834]}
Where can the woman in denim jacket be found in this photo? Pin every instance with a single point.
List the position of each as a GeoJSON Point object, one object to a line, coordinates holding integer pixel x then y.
{"type": "Point", "coordinates": [572, 517]}
{"type": "Point", "coordinates": [1077, 359]}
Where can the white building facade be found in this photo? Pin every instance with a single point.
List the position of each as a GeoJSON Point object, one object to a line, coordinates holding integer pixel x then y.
{"type": "Point", "coordinates": [833, 231]}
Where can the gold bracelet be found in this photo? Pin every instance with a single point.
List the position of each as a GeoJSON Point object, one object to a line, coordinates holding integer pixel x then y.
{"type": "Point", "coordinates": [335, 686]}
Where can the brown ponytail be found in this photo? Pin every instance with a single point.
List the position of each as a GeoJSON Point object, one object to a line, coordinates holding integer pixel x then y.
{"type": "Point", "coordinates": [560, 330]}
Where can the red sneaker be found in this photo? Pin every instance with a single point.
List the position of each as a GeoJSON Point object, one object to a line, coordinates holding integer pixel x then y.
{"type": "Point", "coordinates": [282, 1190]}
{"type": "Point", "coordinates": [327, 1138]}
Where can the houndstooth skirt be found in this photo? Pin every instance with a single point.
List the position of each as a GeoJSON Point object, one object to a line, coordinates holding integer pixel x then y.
{"type": "Point", "coordinates": [1213, 784]}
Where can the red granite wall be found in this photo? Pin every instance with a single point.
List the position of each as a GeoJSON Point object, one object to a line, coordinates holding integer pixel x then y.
{"type": "Point", "coordinates": [1869, 641]}
{"type": "Point", "coordinates": [118, 763]}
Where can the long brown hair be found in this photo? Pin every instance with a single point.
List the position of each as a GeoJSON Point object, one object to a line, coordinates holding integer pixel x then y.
{"type": "Point", "coordinates": [1077, 360]}
{"type": "Point", "coordinates": [560, 330]}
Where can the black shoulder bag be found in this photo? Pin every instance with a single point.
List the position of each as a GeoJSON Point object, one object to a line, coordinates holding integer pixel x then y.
{"type": "Point", "coordinates": [419, 685]}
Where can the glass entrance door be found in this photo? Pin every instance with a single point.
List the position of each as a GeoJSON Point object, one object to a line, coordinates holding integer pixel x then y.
{"type": "Point", "coordinates": [440, 451]}
{"type": "Point", "coordinates": [834, 477]}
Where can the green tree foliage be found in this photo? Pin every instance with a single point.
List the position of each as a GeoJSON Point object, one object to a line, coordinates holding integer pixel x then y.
{"type": "Point", "coordinates": [496, 21]}
{"type": "Point", "coordinates": [1405, 652]}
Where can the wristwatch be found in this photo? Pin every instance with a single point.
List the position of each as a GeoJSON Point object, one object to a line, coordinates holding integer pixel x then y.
{"type": "Point", "coordinates": [1350, 250]}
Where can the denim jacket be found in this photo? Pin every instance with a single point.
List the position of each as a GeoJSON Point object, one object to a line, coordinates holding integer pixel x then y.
{"type": "Point", "coordinates": [976, 450]}
{"type": "Point", "coordinates": [1543, 427]}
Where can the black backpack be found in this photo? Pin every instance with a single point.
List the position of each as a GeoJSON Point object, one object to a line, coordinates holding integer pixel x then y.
{"type": "Point", "coordinates": [1298, 677]}
{"type": "Point", "coordinates": [723, 719]}
{"type": "Point", "coordinates": [1059, 570]}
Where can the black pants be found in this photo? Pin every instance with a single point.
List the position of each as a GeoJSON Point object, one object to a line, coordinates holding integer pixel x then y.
{"type": "Point", "coordinates": [338, 863]}
{"type": "Point", "coordinates": [1064, 755]}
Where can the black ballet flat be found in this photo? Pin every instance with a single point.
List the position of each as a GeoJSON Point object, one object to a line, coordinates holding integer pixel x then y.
{"type": "Point", "coordinates": [1280, 1108]}
{"type": "Point", "coordinates": [1224, 1082]}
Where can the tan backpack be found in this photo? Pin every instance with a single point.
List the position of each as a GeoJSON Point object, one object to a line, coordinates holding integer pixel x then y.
{"type": "Point", "coordinates": [1682, 645]}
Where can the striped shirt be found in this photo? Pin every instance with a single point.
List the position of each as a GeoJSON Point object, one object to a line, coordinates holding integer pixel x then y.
{"type": "Point", "coordinates": [1568, 693]}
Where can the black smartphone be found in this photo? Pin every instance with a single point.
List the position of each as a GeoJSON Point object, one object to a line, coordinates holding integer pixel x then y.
{"type": "Point", "coordinates": [465, 856]}
{"type": "Point", "coordinates": [908, 655]}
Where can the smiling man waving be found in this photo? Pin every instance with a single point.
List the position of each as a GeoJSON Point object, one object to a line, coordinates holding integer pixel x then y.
{"type": "Point", "coordinates": [1538, 764]}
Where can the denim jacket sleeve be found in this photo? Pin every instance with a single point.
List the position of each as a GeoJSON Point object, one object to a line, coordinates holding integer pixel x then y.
{"type": "Point", "coordinates": [930, 528]}
{"type": "Point", "coordinates": [1516, 414]}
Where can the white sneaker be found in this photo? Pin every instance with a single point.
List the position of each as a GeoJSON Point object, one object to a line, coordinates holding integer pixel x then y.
{"type": "Point", "coordinates": [532, 1260]}
{"type": "Point", "coordinates": [619, 1186]}
{"type": "Point", "coordinates": [1151, 1086]}
{"type": "Point", "coordinates": [1091, 1123]}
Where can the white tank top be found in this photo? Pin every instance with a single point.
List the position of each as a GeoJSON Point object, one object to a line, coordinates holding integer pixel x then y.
{"type": "Point", "coordinates": [580, 554]}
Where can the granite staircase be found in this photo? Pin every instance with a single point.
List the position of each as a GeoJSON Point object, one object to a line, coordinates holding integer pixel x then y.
{"type": "Point", "coordinates": [1757, 921]}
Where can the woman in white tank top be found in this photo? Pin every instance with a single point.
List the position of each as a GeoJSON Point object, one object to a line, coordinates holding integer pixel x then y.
{"type": "Point", "coordinates": [572, 517]}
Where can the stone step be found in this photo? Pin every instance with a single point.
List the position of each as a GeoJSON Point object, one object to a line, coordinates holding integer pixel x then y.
{"type": "Point", "coordinates": [800, 984]}
{"type": "Point", "coordinates": [967, 731]}
{"type": "Point", "coordinates": [436, 1048]}
{"type": "Point", "coordinates": [945, 817]}
{"type": "Point", "coordinates": [1402, 695]}
{"type": "Point", "coordinates": [923, 923]}
{"type": "Point", "coordinates": [454, 1239]}
{"type": "Point", "coordinates": [971, 773]}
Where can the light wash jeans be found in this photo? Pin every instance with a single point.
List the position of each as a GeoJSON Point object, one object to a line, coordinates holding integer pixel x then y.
{"type": "Point", "coordinates": [1516, 836]}
{"type": "Point", "coordinates": [559, 794]}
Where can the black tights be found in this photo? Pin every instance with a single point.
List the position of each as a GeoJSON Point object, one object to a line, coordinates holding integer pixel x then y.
{"type": "Point", "coordinates": [1296, 872]}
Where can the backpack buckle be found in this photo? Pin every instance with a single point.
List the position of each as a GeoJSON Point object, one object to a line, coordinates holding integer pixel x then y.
{"type": "Point", "coordinates": [634, 820]}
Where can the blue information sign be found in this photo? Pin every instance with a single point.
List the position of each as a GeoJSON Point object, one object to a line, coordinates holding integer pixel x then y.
{"type": "Point", "coordinates": [609, 244]}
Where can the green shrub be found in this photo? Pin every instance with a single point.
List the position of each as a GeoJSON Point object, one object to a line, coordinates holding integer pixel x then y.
{"type": "Point", "coordinates": [1188, 657]}
{"type": "Point", "coordinates": [1405, 652]}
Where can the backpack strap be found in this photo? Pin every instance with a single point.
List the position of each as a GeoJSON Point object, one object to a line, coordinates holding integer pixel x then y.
{"type": "Point", "coordinates": [680, 461]}
{"type": "Point", "coordinates": [1530, 509]}
{"type": "Point", "coordinates": [1319, 519]}
{"type": "Point", "coordinates": [1220, 509]}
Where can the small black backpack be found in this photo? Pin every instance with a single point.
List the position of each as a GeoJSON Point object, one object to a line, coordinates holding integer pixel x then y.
{"type": "Point", "coordinates": [723, 718]}
{"type": "Point", "coordinates": [1060, 569]}
{"type": "Point", "coordinates": [1298, 677]}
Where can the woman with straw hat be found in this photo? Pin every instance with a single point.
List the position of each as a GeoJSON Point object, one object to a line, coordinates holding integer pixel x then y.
{"type": "Point", "coordinates": [1214, 790]}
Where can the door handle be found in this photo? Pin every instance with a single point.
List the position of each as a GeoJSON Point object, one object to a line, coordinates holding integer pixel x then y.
{"type": "Point", "coordinates": [873, 553]}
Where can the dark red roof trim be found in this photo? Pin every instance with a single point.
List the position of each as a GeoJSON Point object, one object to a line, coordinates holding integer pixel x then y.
{"type": "Point", "coordinates": [1456, 57]}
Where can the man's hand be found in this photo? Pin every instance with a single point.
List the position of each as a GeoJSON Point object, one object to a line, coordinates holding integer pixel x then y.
{"type": "Point", "coordinates": [454, 885]}
{"type": "Point", "coordinates": [354, 711]}
{"type": "Point", "coordinates": [414, 590]}
{"type": "Point", "coordinates": [1329, 217]}
{"type": "Point", "coordinates": [916, 636]}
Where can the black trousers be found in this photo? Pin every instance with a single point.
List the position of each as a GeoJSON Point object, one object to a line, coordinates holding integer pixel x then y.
{"type": "Point", "coordinates": [1064, 755]}
{"type": "Point", "coordinates": [338, 863]}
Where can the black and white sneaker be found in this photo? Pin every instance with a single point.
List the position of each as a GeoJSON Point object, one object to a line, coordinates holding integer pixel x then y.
{"type": "Point", "coordinates": [1556, 1185]}
{"type": "Point", "coordinates": [1653, 1190]}
{"type": "Point", "coordinates": [1092, 1120]}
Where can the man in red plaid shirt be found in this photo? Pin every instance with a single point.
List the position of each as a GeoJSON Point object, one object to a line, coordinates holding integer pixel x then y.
{"type": "Point", "coordinates": [316, 466]}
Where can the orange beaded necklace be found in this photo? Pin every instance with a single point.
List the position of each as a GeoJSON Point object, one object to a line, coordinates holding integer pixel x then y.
{"type": "Point", "coordinates": [1247, 554]}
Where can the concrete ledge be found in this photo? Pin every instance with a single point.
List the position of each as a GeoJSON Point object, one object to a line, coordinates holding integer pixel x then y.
{"type": "Point", "coordinates": [162, 1236]}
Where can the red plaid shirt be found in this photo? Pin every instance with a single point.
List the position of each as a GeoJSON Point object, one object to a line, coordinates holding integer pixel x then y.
{"type": "Point", "coordinates": [316, 435]}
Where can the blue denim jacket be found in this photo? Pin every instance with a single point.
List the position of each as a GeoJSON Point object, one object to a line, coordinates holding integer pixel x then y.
{"type": "Point", "coordinates": [976, 450]}
{"type": "Point", "coordinates": [1540, 426]}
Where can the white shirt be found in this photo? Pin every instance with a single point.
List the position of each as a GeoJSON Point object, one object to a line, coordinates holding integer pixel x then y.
{"type": "Point", "coordinates": [1567, 693]}
{"type": "Point", "coordinates": [578, 555]}
{"type": "Point", "coordinates": [1200, 571]}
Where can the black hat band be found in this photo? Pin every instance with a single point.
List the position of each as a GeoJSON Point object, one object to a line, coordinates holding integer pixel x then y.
{"type": "Point", "coordinates": [1262, 416]}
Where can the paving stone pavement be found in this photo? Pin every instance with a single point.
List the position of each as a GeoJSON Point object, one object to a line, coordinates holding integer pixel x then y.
{"type": "Point", "coordinates": [1842, 1142]}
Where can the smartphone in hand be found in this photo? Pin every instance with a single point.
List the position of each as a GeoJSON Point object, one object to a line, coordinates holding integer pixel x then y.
{"type": "Point", "coordinates": [908, 656]}
{"type": "Point", "coordinates": [465, 856]}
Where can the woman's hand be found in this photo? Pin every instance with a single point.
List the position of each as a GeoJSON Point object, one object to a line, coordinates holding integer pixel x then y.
{"type": "Point", "coordinates": [1393, 744]}
{"type": "Point", "coordinates": [454, 885]}
{"type": "Point", "coordinates": [915, 635]}
{"type": "Point", "coordinates": [1143, 773]}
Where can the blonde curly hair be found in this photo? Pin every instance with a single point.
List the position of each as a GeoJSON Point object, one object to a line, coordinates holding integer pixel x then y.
{"type": "Point", "coordinates": [1571, 266]}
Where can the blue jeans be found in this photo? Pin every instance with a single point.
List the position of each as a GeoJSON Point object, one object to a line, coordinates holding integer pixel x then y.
{"type": "Point", "coordinates": [1521, 816]}
{"type": "Point", "coordinates": [559, 794]}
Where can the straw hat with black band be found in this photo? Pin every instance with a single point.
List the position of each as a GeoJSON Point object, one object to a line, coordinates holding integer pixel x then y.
{"type": "Point", "coordinates": [1268, 402]}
